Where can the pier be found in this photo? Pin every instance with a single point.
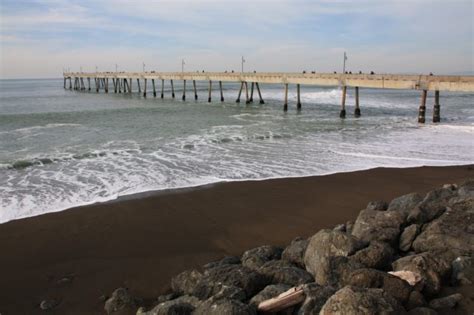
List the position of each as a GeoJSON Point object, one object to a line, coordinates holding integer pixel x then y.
{"type": "Point", "coordinates": [249, 81]}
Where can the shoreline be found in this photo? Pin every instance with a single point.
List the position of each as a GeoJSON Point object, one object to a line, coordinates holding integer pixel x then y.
{"type": "Point", "coordinates": [140, 242]}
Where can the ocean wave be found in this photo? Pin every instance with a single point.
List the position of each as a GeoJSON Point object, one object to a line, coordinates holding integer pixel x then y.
{"type": "Point", "coordinates": [35, 128]}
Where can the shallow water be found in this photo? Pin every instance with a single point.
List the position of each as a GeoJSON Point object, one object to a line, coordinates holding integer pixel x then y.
{"type": "Point", "coordinates": [62, 148]}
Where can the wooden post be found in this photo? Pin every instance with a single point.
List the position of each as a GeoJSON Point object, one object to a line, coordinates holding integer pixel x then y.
{"type": "Point", "coordinates": [436, 108]}
{"type": "Point", "coordinates": [106, 85]}
{"type": "Point", "coordinates": [259, 94]}
{"type": "Point", "coordinates": [154, 90]}
{"type": "Point", "coordinates": [162, 88]}
{"type": "Point", "coordinates": [139, 87]}
{"type": "Point", "coordinates": [83, 86]}
{"type": "Point", "coordinates": [247, 101]}
{"type": "Point", "coordinates": [210, 91]}
{"type": "Point", "coordinates": [89, 83]}
{"type": "Point", "coordinates": [240, 92]}
{"type": "Point", "coordinates": [422, 109]}
{"type": "Point", "coordinates": [222, 92]}
{"type": "Point", "coordinates": [184, 90]}
{"type": "Point", "coordinates": [357, 108]}
{"type": "Point", "coordinates": [285, 105]}
{"type": "Point", "coordinates": [114, 82]}
{"type": "Point", "coordinates": [195, 91]}
{"type": "Point", "coordinates": [251, 92]}
{"type": "Point", "coordinates": [144, 89]}
{"type": "Point", "coordinates": [70, 83]}
{"type": "Point", "coordinates": [130, 85]}
{"type": "Point", "coordinates": [96, 80]}
{"type": "Point", "coordinates": [172, 89]}
{"type": "Point", "coordinates": [64, 83]}
{"type": "Point", "coordinates": [119, 85]}
{"type": "Point", "coordinates": [298, 103]}
{"type": "Point", "coordinates": [342, 114]}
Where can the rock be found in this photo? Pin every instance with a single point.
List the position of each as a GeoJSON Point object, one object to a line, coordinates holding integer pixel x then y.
{"type": "Point", "coordinates": [245, 278]}
{"type": "Point", "coordinates": [294, 252]}
{"type": "Point", "coordinates": [281, 271]}
{"type": "Point", "coordinates": [186, 281]}
{"type": "Point", "coordinates": [371, 278]}
{"type": "Point", "coordinates": [355, 301]}
{"type": "Point", "coordinates": [340, 269]}
{"type": "Point", "coordinates": [422, 311]}
{"type": "Point", "coordinates": [378, 205]}
{"type": "Point", "coordinates": [183, 305]}
{"type": "Point", "coordinates": [412, 278]}
{"type": "Point", "coordinates": [224, 306]}
{"type": "Point", "coordinates": [404, 204]}
{"type": "Point", "coordinates": [431, 267]}
{"type": "Point", "coordinates": [372, 225]}
{"type": "Point", "coordinates": [349, 226]}
{"type": "Point", "coordinates": [466, 189]}
{"type": "Point", "coordinates": [270, 291]}
{"type": "Point", "coordinates": [432, 206]}
{"type": "Point", "coordinates": [166, 297]}
{"type": "Point", "coordinates": [218, 290]}
{"type": "Point", "coordinates": [228, 260]}
{"type": "Point", "coordinates": [446, 302]}
{"type": "Point", "coordinates": [47, 305]}
{"type": "Point", "coordinates": [326, 244]}
{"type": "Point", "coordinates": [463, 270]}
{"type": "Point", "coordinates": [340, 228]}
{"type": "Point", "coordinates": [378, 255]}
{"type": "Point", "coordinates": [452, 232]}
{"type": "Point", "coordinates": [316, 296]}
{"type": "Point", "coordinates": [256, 257]}
{"type": "Point", "coordinates": [416, 299]}
{"type": "Point", "coordinates": [120, 299]}
{"type": "Point", "coordinates": [408, 236]}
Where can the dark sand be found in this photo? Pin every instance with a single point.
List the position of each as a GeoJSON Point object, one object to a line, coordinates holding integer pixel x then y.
{"type": "Point", "coordinates": [141, 242]}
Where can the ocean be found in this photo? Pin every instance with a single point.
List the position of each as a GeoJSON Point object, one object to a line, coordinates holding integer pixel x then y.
{"type": "Point", "coordinates": [61, 148]}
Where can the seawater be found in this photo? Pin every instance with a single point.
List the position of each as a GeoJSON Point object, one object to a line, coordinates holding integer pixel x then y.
{"type": "Point", "coordinates": [62, 148]}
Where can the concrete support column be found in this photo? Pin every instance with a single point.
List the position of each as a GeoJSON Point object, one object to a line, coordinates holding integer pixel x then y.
{"type": "Point", "coordinates": [357, 108]}
{"type": "Point", "coordinates": [184, 90]}
{"type": "Point", "coordinates": [70, 83]}
{"type": "Point", "coordinates": [285, 105]}
{"type": "Point", "coordinates": [422, 109]}
{"type": "Point", "coordinates": [240, 92]}
{"type": "Point", "coordinates": [172, 89]}
{"type": "Point", "coordinates": [144, 89]}
{"type": "Point", "coordinates": [89, 83]}
{"type": "Point", "coordinates": [195, 91]}
{"type": "Point", "coordinates": [298, 103]}
{"type": "Point", "coordinates": [247, 101]}
{"type": "Point", "coordinates": [64, 83]}
{"type": "Point", "coordinates": [436, 108]}
{"type": "Point", "coordinates": [342, 114]}
{"type": "Point", "coordinates": [222, 92]}
{"type": "Point", "coordinates": [106, 85]}
{"type": "Point", "coordinates": [114, 82]}
{"type": "Point", "coordinates": [162, 88]}
{"type": "Point", "coordinates": [210, 91]}
{"type": "Point", "coordinates": [119, 85]}
{"type": "Point", "coordinates": [251, 92]}
{"type": "Point", "coordinates": [259, 94]}
{"type": "Point", "coordinates": [130, 85]}
{"type": "Point", "coordinates": [139, 87]}
{"type": "Point", "coordinates": [154, 89]}
{"type": "Point", "coordinates": [83, 87]}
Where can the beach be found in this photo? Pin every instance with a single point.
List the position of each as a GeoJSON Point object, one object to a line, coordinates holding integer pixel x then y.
{"type": "Point", "coordinates": [79, 256]}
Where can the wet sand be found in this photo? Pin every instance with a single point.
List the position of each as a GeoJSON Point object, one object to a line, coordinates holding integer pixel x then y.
{"type": "Point", "coordinates": [140, 242]}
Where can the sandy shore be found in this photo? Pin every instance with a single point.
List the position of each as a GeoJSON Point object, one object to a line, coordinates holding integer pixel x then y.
{"type": "Point", "coordinates": [141, 242]}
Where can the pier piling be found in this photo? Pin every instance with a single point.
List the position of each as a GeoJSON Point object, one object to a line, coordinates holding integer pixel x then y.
{"type": "Point", "coordinates": [139, 87]}
{"type": "Point", "coordinates": [222, 92]}
{"type": "Point", "coordinates": [106, 85]}
{"type": "Point", "coordinates": [422, 109]}
{"type": "Point", "coordinates": [285, 105]}
{"type": "Point", "coordinates": [89, 83]}
{"type": "Point", "coordinates": [172, 89]}
{"type": "Point", "coordinates": [298, 103]}
{"type": "Point", "coordinates": [195, 91]}
{"type": "Point", "coordinates": [251, 92]}
{"type": "Point", "coordinates": [130, 81]}
{"type": "Point", "coordinates": [154, 89]}
{"type": "Point", "coordinates": [357, 108]}
{"type": "Point", "coordinates": [210, 90]}
{"type": "Point", "coordinates": [64, 83]}
{"type": "Point", "coordinates": [240, 92]}
{"type": "Point", "coordinates": [259, 94]}
{"type": "Point", "coordinates": [436, 108]}
{"type": "Point", "coordinates": [342, 114]}
{"type": "Point", "coordinates": [184, 90]}
{"type": "Point", "coordinates": [162, 88]}
{"type": "Point", "coordinates": [247, 101]}
{"type": "Point", "coordinates": [144, 89]}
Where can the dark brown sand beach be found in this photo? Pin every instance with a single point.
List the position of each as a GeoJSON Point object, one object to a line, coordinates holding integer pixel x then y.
{"type": "Point", "coordinates": [140, 242]}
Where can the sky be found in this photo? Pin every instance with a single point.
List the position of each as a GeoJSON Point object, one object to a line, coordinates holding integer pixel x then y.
{"type": "Point", "coordinates": [38, 39]}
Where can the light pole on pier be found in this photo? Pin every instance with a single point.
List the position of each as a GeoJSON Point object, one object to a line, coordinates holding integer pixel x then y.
{"type": "Point", "coordinates": [344, 64]}
{"type": "Point", "coordinates": [116, 67]}
{"type": "Point", "coordinates": [143, 66]}
{"type": "Point", "coordinates": [96, 69]}
{"type": "Point", "coordinates": [243, 61]}
{"type": "Point", "coordinates": [182, 65]}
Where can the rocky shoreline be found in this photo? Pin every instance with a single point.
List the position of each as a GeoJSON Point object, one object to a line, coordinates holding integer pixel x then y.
{"type": "Point", "coordinates": [395, 258]}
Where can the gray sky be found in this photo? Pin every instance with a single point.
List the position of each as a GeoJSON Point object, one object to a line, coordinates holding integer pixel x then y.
{"type": "Point", "coordinates": [40, 38]}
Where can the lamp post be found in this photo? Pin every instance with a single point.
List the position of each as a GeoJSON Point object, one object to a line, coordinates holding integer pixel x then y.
{"type": "Point", "coordinates": [182, 65]}
{"type": "Point", "coordinates": [243, 61]}
{"type": "Point", "coordinates": [344, 64]}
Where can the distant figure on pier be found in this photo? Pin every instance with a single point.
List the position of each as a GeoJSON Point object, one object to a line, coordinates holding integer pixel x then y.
{"type": "Point", "coordinates": [335, 72]}
{"type": "Point", "coordinates": [371, 72]}
{"type": "Point", "coordinates": [360, 72]}
{"type": "Point", "coordinates": [232, 71]}
{"type": "Point", "coordinates": [313, 72]}
{"type": "Point", "coordinates": [431, 73]}
{"type": "Point", "coordinates": [304, 71]}
{"type": "Point", "coordinates": [254, 71]}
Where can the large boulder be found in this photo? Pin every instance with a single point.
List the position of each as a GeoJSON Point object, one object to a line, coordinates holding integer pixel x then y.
{"type": "Point", "coordinates": [371, 278]}
{"type": "Point", "coordinates": [294, 252]}
{"type": "Point", "coordinates": [452, 232]}
{"type": "Point", "coordinates": [433, 268]}
{"type": "Point", "coordinates": [186, 281]}
{"type": "Point", "coordinates": [408, 236]}
{"type": "Point", "coordinates": [432, 206]}
{"type": "Point", "coordinates": [379, 205]}
{"type": "Point", "coordinates": [361, 301]}
{"type": "Point", "coordinates": [449, 301]}
{"type": "Point", "coordinates": [218, 290]}
{"type": "Point", "coordinates": [183, 305]}
{"type": "Point", "coordinates": [315, 297]}
{"type": "Point", "coordinates": [466, 189]}
{"type": "Point", "coordinates": [121, 299]}
{"type": "Point", "coordinates": [227, 260]}
{"type": "Point", "coordinates": [404, 204]}
{"type": "Point", "coordinates": [281, 271]}
{"type": "Point", "coordinates": [463, 271]}
{"type": "Point", "coordinates": [378, 255]}
{"type": "Point", "coordinates": [254, 258]}
{"type": "Point", "coordinates": [245, 278]}
{"type": "Point", "coordinates": [326, 244]}
{"type": "Point", "coordinates": [340, 269]}
{"type": "Point", "coordinates": [373, 225]}
{"type": "Point", "coordinates": [224, 306]}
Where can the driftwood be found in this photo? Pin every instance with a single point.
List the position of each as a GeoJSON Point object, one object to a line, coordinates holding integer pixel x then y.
{"type": "Point", "coordinates": [289, 298]}
{"type": "Point", "coordinates": [413, 278]}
